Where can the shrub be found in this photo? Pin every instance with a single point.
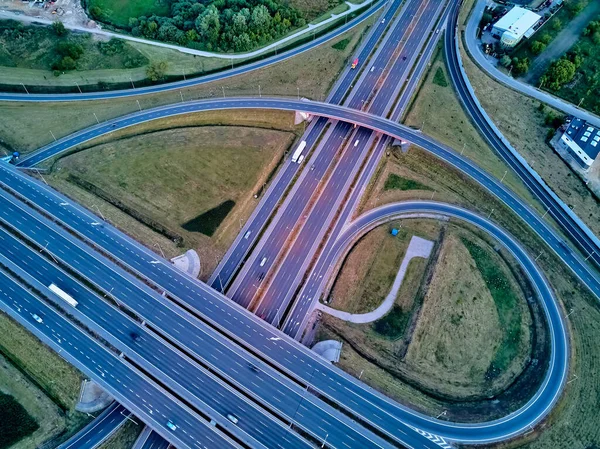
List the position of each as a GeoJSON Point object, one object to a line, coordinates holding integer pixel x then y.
{"type": "Point", "coordinates": [157, 71]}
{"type": "Point", "coordinates": [439, 78]}
{"type": "Point", "coordinates": [537, 47]}
{"type": "Point", "coordinates": [341, 45]}
{"type": "Point", "coordinates": [559, 73]}
{"type": "Point", "coordinates": [59, 28]}
{"type": "Point", "coordinates": [71, 49]}
{"type": "Point", "coordinates": [64, 64]}
{"type": "Point", "coordinates": [505, 61]}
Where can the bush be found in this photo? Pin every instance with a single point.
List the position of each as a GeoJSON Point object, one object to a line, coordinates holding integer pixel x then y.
{"type": "Point", "coordinates": [341, 45]}
{"type": "Point", "coordinates": [537, 47]}
{"type": "Point", "coordinates": [393, 324]}
{"type": "Point", "coordinates": [439, 78]}
{"type": "Point", "coordinates": [70, 49]}
{"type": "Point", "coordinates": [557, 25]}
{"type": "Point", "coordinates": [157, 71]}
{"type": "Point", "coordinates": [575, 7]}
{"type": "Point", "coordinates": [112, 47]}
{"type": "Point", "coordinates": [59, 28]}
{"type": "Point", "coordinates": [520, 66]}
{"type": "Point", "coordinates": [96, 13]}
{"type": "Point", "coordinates": [505, 61]}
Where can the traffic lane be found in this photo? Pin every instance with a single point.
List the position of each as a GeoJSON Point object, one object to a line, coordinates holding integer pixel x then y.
{"type": "Point", "coordinates": [222, 275]}
{"type": "Point", "coordinates": [583, 238]}
{"type": "Point", "coordinates": [289, 273]}
{"type": "Point", "coordinates": [256, 270]}
{"type": "Point", "coordinates": [168, 365]}
{"type": "Point", "coordinates": [106, 369]}
{"type": "Point", "coordinates": [200, 80]}
{"type": "Point", "coordinates": [155, 441]}
{"type": "Point", "coordinates": [259, 382]}
{"type": "Point", "coordinates": [97, 431]}
{"type": "Point", "coordinates": [387, 127]}
{"type": "Point", "coordinates": [278, 296]}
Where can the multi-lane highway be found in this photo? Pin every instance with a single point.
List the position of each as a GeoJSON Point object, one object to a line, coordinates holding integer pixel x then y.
{"type": "Point", "coordinates": [314, 208]}
{"type": "Point", "coordinates": [167, 277]}
{"type": "Point", "coordinates": [208, 352]}
{"type": "Point", "coordinates": [274, 270]}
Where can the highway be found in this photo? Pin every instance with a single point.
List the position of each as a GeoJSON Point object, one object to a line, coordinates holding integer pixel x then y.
{"type": "Point", "coordinates": [99, 430]}
{"type": "Point", "coordinates": [149, 439]}
{"type": "Point", "coordinates": [106, 368]}
{"type": "Point", "coordinates": [245, 68]}
{"type": "Point", "coordinates": [299, 315]}
{"type": "Point", "coordinates": [171, 367]}
{"type": "Point", "coordinates": [275, 350]}
{"type": "Point", "coordinates": [302, 237]}
{"type": "Point", "coordinates": [572, 225]}
{"type": "Point", "coordinates": [236, 253]}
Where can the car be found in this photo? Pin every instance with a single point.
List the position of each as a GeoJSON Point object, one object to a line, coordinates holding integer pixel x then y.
{"type": "Point", "coordinates": [261, 276]}
{"type": "Point", "coordinates": [171, 426]}
{"type": "Point", "coordinates": [312, 167]}
{"type": "Point", "coordinates": [232, 418]}
{"type": "Point", "coordinates": [356, 143]}
{"type": "Point", "coordinates": [114, 125]}
{"type": "Point", "coordinates": [263, 261]}
{"type": "Point", "coordinates": [383, 20]}
{"type": "Point", "coordinates": [404, 58]}
{"type": "Point", "coordinates": [372, 68]}
{"type": "Point", "coordinates": [247, 235]}
{"type": "Point", "coordinates": [135, 336]}
{"type": "Point", "coordinates": [37, 318]}
{"type": "Point", "coordinates": [437, 31]}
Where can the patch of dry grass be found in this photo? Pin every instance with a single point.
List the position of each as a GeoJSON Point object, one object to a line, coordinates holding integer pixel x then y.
{"type": "Point", "coordinates": [174, 175]}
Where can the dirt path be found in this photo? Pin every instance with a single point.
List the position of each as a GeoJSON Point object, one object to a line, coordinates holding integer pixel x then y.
{"type": "Point", "coordinates": [563, 41]}
{"type": "Point", "coordinates": [417, 247]}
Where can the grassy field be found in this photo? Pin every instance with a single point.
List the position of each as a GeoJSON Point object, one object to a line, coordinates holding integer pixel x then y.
{"type": "Point", "coordinates": [27, 126]}
{"type": "Point", "coordinates": [173, 176]}
{"type": "Point", "coordinates": [45, 413]}
{"type": "Point", "coordinates": [436, 109]}
{"type": "Point", "coordinates": [465, 341]}
{"type": "Point", "coordinates": [124, 437]}
{"type": "Point", "coordinates": [119, 11]}
{"type": "Point", "coordinates": [370, 268]}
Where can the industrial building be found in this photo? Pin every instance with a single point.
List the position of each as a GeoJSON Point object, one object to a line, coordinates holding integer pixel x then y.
{"type": "Point", "coordinates": [515, 25]}
{"type": "Point", "coordinates": [582, 141]}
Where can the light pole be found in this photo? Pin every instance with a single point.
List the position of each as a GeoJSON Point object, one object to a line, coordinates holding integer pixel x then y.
{"type": "Point", "coordinates": [503, 176]}
{"type": "Point", "coordinates": [98, 209]}
{"type": "Point", "coordinates": [26, 91]}
{"type": "Point", "coordinates": [130, 79]}
{"type": "Point", "coordinates": [223, 89]}
{"type": "Point", "coordinates": [161, 251]}
{"type": "Point", "coordinates": [52, 134]}
{"type": "Point", "coordinates": [590, 255]}
{"type": "Point", "coordinates": [298, 89]}
{"type": "Point", "coordinates": [139, 106]}
{"type": "Point", "coordinates": [96, 117]}
{"type": "Point", "coordinates": [324, 441]}
{"type": "Point", "coordinates": [259, 94]}
{"type": "Point", "coordinates": [79, 88]}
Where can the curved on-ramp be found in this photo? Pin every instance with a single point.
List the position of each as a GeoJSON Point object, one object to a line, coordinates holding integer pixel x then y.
{"type": "Point", "coordinates": [537, 408]}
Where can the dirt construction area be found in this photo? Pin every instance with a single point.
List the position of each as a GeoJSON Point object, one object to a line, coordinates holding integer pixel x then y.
{"type": "Point", "coordinates": [70, 12]}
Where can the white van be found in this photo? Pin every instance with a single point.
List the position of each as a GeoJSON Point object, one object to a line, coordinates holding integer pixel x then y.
{"type": "Point", "coordinates": [263, 261]}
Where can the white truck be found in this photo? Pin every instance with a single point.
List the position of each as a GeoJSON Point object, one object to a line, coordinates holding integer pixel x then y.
{"type": "Point", "coordinates": [63, 295]}
{"type": "Point", "coordinates": [299, 151]}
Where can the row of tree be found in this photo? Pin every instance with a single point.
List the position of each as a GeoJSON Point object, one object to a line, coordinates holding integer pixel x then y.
{"type": "Point", "coordinates": [220, 25]}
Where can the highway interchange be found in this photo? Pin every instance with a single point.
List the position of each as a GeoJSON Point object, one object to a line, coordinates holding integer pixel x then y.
{"type": "Point", "coordinates": [238, 336]}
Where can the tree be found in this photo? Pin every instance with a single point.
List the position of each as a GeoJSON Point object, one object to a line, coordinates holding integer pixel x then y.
{"type": "Point", "coordinates": [157, 71]}
{"type": "Point", "coordinates": [537, 47]}
{"type": "Point", "coordinates": [575, 7]}
{"type": "Point", "coordinates": [71, 49]}
{"type": "Point", "coordinates": [261, 19]}
{"type": "Point", "coordinates": [520, 66]}
{"type": "Point", "coordinates": [559, 73]}
{"type": "Point", "coordinates": [96, 13]}
{"type": "Point", "coordinates": [557, 25]}
{"type": "Point", "coordinates": [66, 63]}
{"type": "Point", "coordinates": [209, 25]}
{"type": "Point", "coordinates": [59, 28]}
{"type": "Point", "coordinates": [505, 61]}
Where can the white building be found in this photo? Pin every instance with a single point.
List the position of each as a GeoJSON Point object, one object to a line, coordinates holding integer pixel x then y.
{"type": "Point", "coordinates": [515, 25]}
{"type": "Point", "coordinates": [582, 141]}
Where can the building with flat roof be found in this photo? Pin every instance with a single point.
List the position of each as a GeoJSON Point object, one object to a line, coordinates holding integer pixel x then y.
{"type": "Point", "coordinates": [582, 141]}
{"type": "Point", "coordinates": [515, 25]}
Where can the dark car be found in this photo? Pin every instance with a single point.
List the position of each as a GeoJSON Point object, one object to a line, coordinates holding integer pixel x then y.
{"type": "Point", "coordinates": [135, 337]}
